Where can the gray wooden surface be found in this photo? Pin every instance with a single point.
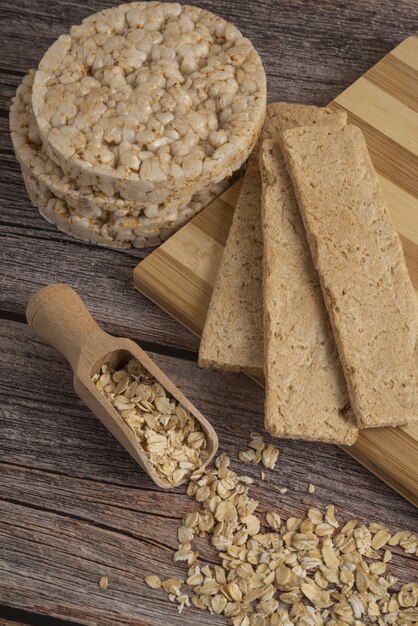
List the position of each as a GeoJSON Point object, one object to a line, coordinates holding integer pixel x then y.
{"type": "Point", "coordinates": [73, 506]}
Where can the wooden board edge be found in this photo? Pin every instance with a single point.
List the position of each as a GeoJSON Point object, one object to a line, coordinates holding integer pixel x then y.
{"type": "Point", "coordinates": [381, 473]}
{"type": "Point", "coordinates": [356, 452]}
{"type": "Point", "coordinates": [143, 287]}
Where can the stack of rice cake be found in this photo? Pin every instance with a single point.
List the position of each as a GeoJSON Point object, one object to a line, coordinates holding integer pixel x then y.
{"type": "Point", "coordinates": [331, 291]}
{"type": "Point", "coordinates": [136, 120]}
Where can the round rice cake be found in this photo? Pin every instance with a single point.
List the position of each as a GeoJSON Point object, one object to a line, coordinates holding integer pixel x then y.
{"type": "Point", "coordinates": [50, 177]}
{"type": "Point", "coordinates": [88, 229]}
{"type": "Point", "coordinates": [150, 98]}
{"type": "Point", "coordinates": [123, 219]}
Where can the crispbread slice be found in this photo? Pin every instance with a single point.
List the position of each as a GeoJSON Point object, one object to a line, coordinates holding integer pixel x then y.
{"type": "Point", "coordinates": [232, 338]}
{"type": "Point", "coordinates": [306, 394]}
{"type": "Point", "coordinates": [358, 255]}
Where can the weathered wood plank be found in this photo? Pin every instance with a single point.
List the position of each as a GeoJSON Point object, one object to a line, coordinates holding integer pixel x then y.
{"type": "Point", "coordinates": [39, 409]}
{"type": "Point", "coordinates": [60, 539]}
{"type": "Point", "coordinates": [67, 559]}
{"type": "Point", "coordinates": [73, 511]}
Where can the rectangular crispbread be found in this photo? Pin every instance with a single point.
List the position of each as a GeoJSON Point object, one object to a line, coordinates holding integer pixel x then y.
{"type": "Point", "coordinates": [358, 255]}
{"type": "Point", "coordinates": [306, 393]}
{"type": "Point", "coordinates": [232, 338]}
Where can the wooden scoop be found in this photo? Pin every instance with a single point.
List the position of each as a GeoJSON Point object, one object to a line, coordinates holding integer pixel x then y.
{"type": "Point", "coordinates": [58, 315]}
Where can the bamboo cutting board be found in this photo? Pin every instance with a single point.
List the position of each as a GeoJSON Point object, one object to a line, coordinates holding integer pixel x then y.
{"type": "Point", "coordinates": [180, 274]}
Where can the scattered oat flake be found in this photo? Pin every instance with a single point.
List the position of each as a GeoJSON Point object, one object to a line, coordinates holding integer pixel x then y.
{"type": "Point", "coordinates": [152, 581]}
{"type": "Point", "coordinates": [281, 490]}
{"type": "Point", "coordinates": [306, 570]}
{"type": "Point", "coordinates": [104, 582]}
{"type": "Point", "coordinates": [259, 452]}
{"type": "Point", "coordinates": [311, 488]}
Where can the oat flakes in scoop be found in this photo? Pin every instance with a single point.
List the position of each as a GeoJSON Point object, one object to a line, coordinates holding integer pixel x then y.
{"type": "Point", "coordinates": [170, 436]}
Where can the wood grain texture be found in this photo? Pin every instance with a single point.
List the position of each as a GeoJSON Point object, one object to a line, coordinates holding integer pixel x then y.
{"type": "Point", "coordinates": [73, 512]}
{"type": "Point", "coordinates": [390, 126]}
{"type": "Point", "coordinates": [74, 506]}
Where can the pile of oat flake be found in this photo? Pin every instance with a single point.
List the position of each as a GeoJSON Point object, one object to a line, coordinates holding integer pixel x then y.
{"type": "Point", "coordinates": [300, 572]}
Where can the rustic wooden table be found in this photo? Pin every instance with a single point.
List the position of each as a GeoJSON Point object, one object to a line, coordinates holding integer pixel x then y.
{"type": "Point", "coordinates": [74, 506]}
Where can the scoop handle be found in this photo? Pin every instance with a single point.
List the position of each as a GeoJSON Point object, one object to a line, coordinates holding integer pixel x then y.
{"type": "Point", "coordinates": [58, 315]}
